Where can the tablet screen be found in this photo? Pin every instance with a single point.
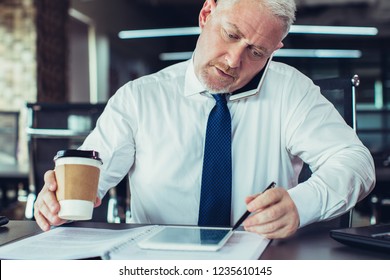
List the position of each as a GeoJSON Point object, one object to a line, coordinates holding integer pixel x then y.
{"type": "Point", "coordinates": [187, 238]}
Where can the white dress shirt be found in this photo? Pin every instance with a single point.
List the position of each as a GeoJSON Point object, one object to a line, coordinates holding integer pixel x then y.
{"type": "Point", "coordinates": [154, 127]}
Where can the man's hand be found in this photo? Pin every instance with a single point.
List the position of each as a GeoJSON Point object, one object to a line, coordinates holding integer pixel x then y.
{"type": "Point", "coordinates": [274, 214]}
{"type": "Point", "coordinates": [46, 207]}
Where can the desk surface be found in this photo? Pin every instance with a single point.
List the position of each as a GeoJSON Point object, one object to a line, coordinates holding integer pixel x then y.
{"type": "Point", "coordinates": [314, 243]}
{"type": "Point", "coordinates": [311, 243]}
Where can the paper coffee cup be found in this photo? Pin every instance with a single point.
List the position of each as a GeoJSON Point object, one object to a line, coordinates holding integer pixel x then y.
{"type": "Point", "coordinates": [77, 173]}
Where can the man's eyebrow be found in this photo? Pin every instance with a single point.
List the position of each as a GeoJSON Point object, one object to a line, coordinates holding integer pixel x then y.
{"type": "Point", "coordinates": [239, 33]}
{"type": "Point", "coordinates": [236, 29]}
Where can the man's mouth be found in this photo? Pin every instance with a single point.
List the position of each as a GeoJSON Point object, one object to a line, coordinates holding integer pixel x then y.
{"type": "Point", "coordinates": [225, 74]}
{"type": "Point", "coordinates": [222, 73]}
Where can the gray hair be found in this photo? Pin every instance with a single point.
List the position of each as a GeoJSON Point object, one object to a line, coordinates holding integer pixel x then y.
{"type": "Point", "coordinates": [282, 9]}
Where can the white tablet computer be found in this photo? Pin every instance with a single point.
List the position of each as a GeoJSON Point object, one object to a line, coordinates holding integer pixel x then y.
{"type": "Point", "coordinates": [187, 238]}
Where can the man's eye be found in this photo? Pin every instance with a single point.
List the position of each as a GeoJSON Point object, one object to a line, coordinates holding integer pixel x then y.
{"type": "Point", "coordinates": [255, 54]}
{"type": "Point", "coordinates": [230, 36]}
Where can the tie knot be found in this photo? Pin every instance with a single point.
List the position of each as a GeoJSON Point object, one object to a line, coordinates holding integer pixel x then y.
{"type": "Point", "coordinates": [220, 98]}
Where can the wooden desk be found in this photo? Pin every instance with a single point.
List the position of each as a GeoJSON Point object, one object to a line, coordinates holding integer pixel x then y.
{"type": "Point", "coordinates": [311, 243]}
{"type": "Point", "coordinates": [314, 243]}
{"type": "Point", "coordinates": [16, 230]}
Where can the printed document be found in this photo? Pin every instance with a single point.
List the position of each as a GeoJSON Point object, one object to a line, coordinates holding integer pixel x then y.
{"type": "Point", "coordinates": [82, 243]}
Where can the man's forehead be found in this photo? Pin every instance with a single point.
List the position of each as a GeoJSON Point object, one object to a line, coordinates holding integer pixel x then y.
{"type": "Point", "coordinates": [238, 32]}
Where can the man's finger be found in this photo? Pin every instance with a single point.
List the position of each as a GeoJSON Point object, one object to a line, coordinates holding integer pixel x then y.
{"type": "Point", "coordinates": [50, 180]}
{"type": "Point", "coordinates": [265, 199]}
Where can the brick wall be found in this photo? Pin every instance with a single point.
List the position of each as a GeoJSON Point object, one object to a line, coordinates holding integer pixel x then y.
{"type": "Point", "coordinates": [17, 60]}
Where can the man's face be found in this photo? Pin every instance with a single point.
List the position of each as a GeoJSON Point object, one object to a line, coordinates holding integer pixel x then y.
{"type": "Point", "coordinates": [234, 44]}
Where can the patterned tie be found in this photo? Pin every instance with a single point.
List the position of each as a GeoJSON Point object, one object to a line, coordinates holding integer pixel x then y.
{"type": "Point", "coordinates": [216, 192]}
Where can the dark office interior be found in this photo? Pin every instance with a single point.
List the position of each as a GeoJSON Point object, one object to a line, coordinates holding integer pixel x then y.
{"type": "Point", "coordinates": [59, 56]}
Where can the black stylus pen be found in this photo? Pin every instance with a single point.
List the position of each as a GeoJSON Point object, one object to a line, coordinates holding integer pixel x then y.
{"type": "Point", "coordinates": [247, 213]}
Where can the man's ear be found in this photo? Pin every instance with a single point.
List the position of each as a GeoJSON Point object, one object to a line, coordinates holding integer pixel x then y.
{"type": "Point", "coordinates": [207, 9]}
{"type": "Point", "coordinates": [280, 45]}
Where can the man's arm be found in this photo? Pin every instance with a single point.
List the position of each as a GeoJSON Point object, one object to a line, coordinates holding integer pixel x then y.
{"type": "Point", "coordinates": [343, 168]}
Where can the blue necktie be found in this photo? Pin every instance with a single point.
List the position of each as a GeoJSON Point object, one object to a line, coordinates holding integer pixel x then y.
{"type": "Point", "coordinates": [216, 192]}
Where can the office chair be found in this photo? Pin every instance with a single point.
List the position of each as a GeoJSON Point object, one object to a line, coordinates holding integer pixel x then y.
{"type": "Point", "coordinates": [342, 93]}
{"type": "Point", "coordinates": [54, 127]}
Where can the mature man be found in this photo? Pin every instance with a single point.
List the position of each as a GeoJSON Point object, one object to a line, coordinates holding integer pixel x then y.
{"type": "Point", "coordinates": [156, 129]}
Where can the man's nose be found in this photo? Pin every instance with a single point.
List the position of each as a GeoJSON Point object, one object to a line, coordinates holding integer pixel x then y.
{"type": "Point", "coordinates": [234, 55]}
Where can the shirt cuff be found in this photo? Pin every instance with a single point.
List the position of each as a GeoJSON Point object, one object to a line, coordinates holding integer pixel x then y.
{"type": "Point", "coordinates": [307, 200]}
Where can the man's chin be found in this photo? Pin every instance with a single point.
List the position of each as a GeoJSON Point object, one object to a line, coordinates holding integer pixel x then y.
{"type": "Point", "coordinates": [216, 85]}
{"type": "Point", "coordinates": [217, 88]}
{"type": "Point", "coordinates": [218, 91]}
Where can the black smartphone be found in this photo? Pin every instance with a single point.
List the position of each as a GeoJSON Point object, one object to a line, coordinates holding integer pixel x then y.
{"type": "Point", "coordinates": [254, 85]}
{"type": "Point", "coordinates": [3, 220]}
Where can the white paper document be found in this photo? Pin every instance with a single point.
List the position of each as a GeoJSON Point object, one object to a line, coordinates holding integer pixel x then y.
{"type": "Point", "coordinates": [80, 243]}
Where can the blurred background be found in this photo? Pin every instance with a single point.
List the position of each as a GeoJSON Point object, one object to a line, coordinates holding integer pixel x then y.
{"type": "Point", "coordinates": [61, 60]}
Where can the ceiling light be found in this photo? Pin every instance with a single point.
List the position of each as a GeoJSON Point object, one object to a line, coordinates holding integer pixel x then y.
{"type": "Point", "coordinates": [175, 56]}
{"type": "Point", "coordinates": [334, 30]}
{"type": "Point", "coordinates": [295, 29]}
{"type": "Point", "coordinates": [307, 53]}
{"type": "Point", "coordinates": [318, 53]}
{"type": "Point", "coordinates": [163, 32]}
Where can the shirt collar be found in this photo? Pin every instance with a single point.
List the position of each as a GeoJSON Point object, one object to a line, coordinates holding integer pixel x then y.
{"type": "Point", "coordinates": [192, 85]}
